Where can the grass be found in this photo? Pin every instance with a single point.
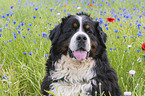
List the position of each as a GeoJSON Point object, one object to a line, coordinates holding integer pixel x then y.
{"type": "Point", "coordinates": [21, 73]}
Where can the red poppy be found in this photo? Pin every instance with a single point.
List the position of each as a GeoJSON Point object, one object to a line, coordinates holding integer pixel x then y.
{"type": "Point", "coordinates": [143, 46]}
{"type": "Point", "coordinates": [90, 5]}
{"type": "Point", "coordinates": [64, 5]}
{"type": "Point", "coordinates": [110, 19]}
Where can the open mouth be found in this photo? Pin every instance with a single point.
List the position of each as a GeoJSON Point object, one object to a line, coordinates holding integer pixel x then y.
{"type": "Point", "coordinates": [79, 55]}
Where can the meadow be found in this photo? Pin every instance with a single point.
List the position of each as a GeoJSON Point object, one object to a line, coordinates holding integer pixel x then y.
{"type": "Point", "coordinates": [25, 44]}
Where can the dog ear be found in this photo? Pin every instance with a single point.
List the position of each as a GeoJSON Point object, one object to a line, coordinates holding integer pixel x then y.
{"type": "Point", "coordinates": [102, 36]}
{"type": "Point", "coordinates": [54, 34]}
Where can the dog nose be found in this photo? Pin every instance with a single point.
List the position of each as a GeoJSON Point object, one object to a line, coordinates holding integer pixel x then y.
{"type": "Point", "coordinates": [81, 38]}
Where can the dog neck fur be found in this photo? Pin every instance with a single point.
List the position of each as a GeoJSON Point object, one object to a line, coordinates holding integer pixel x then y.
{"type": "Point", "coordinates": [74, 73]}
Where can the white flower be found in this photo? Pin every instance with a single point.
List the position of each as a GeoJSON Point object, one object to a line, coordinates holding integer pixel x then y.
{"type": "Point", "coordinates": [127, 93]}
{"type": "Point", "coordinates": [78, 8]}
{"type": "Point", "coordinates": [132, 72]}
{"type": "Point", "coordinates": [58, 13]}
{"type": "Point", "coordinates": [129, 46]}
{"type": "Point", "coordinates": [139, 59]}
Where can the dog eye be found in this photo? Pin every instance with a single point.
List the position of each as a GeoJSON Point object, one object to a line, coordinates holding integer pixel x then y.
{"type": "Point", "coordinates": [75, 25]}
{"type": "Point", "coordinates": [87, 26]}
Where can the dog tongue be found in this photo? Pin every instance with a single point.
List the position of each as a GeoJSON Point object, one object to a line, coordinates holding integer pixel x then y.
{"type": "Point", "coordinates": [80, 55]}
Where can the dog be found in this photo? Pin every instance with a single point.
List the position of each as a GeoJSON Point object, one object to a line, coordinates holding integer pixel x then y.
{"type": "Point", "coordinates": [78, 64]}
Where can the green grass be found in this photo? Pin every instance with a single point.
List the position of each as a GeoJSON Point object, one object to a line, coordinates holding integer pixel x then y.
{"type": "Point", "coordinates": [24, 73]}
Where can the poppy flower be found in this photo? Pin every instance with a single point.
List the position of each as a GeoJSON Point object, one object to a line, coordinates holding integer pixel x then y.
{"type": "Point", "coordinates": [110, 19]}
{"type": "Point", "coordinates": [143, 46]}
{"type": "Point", "coordinates": [64, 5]}
{"type": "Point", "coordinates": [90, 5]}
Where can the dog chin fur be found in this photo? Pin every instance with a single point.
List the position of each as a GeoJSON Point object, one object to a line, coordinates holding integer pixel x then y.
{"type": "Point", "coordinates": [74, 73]}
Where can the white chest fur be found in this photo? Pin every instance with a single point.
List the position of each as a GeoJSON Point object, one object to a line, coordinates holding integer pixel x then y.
{"type": "Point", "coordinates": [73, 72]}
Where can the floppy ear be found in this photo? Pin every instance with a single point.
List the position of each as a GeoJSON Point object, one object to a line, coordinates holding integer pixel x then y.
{"type": "Point", "coordinates": [54, 34]}
{"type": "Point", "coordinates": [102, 36]}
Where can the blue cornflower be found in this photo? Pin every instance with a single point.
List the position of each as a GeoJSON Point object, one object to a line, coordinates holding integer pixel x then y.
{"type": "Point", "coordinates": [15, 37]}
{"type": "Point", "coordinates": [5, 77]}
{"type": "Point", "coordinates": [24, 36]}
{"type": "Point", "coordinates": [143, 27]}
{"type": "Point", "coordinates": [107, 28]}
{"type": "Point", "coordinates": [68, 13]}
{"type": "Point", "coordinates": [1, 29]}
{"type": "Point", "coordinates": [34, 17]}
{"type": "Point", "coordinates": [19, 32]}
{"type": "Point", "coordinates": [25, 53]}
{"type": "Point", "coordinates": [121, 25]}
{"type": "Point", "coordinates": [51, 9]}
{"type": "Point", "coordinates": [101, 5]}
{"type": "Point", "coordinates": [28, 29]}
{"type": "Point", "coordinates": [13, 33]}
{"type": "Point", "coordinates": [44, 34]}
{"type": "Point", "coordinates": [110, 49]}
{"type": "Point", "coordinates": [30, 53]}
{"type": "Point", "coordinates": [106, 24]}
{"type": "Point", "coordinates": [36, 9]}
{"type": "Point", "coordinates": [96, 18]}
{"type": "Point", "coordinates": [30, 24]}
{"type": "Point", "coordinates": [3, 16]}
{"type": "Point", "coordinates": [117, 36]}
{"type": "Point", "coordinates": [139, 34]}
{"type": "Point", "coordinates": [7, 14]}
{"type": "Point", "coordinates": [130, 24]}
{"type": "Point", "coordinates": [14, 22]}
{"type": "Point", "coordinates": [144, 56]}
{"type": "Point", "coordinates": [138, 50]}
{"type": "Point", "coordinates": [124, 36]}
{"type": "Point", "coordinates": [0, 35]}
{"type": "Point", "coordinates": [116, 30]}
{"type": "Point", "coordinates": [114, 48]}
{"type": "Point", "coordinates": [64, 10]}
{"type": "Point", "coordinates": [22, 24]}
{"type": "Point", "coordinates": [118, 19]}
{"type": "Point", "coordinates": [46, 55]}
{"type": "Point", "coordinates": [10, 40]}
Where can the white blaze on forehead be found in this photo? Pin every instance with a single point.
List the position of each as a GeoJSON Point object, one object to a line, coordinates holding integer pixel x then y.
{"type": "Point", "coordinates": [73, 42]}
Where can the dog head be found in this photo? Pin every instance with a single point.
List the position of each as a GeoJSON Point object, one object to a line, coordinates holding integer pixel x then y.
{"type": "Point", "coordinates": [79, 36]}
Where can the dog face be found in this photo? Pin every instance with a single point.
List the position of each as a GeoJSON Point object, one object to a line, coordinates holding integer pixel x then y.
{"type": "Point", "coordinates": [79, 36]}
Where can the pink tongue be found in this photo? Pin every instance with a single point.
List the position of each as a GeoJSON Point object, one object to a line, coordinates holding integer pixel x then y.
{"type": "Point", "coordinates": [80, 55]}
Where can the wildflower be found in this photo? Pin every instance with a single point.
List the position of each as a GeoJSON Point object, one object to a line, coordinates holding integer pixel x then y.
{"type": "Point", "coordinates": [24, 36]}
{"type": "Point", "coordinates": [7, 14]}
{"type": "Point", "coordinates": [30, 24]}
{"type": "Point", "coordinates": [10, 40]}
{"type": "Point", "coordinates": [144, 56]}
{"type": "Point", "coordinates": [58, 13]}
{"type": "Point", "coordinates": [46, 55]}
{"type": "Point", "coordinates": [0, 35]}
{"type": "Point", "coordinates": [139, 59]}
{"type": "Point", "coordinates": [138, 50]}
{"type": "Point", "coordinates": [127, 93]}
{"type": "Point", "coordinates": [78, 8]}
{"type": "Point", "coordinates": [44, 34]}
{"type": "Point", "coordinates": [22, 24]}
{"type": "Point", "coordinates": [132, 72]}
{"type": "Point", "coordinates": [25, 53]}
{"type": "Point", "coordinates": [106, 24]}
{"type": "Point", "coordinates": [129, 46]}
{"type": "Point", "coordinates": [110, 19]}
{"type": "Point", "coordinates": [28, 29]}
{"type": "Point", "coordinates": [117, 36]}
{"type": "Point", "coordinates": [19, 32]}
{"type": "Point", "coordinates": [30, 53]}
{"type": "Point", "coordinates": [143, 46]}
{"type": "Point", "coordinates": [14, 22]}
{"type": "Point", "coordinates": [1, 29]}
{"type": "Point", "coordinates": [64, 5]}
{"type": "Point", "coordinates": [110, 49]}
{"type": "Point", "coordinates": [36, 9]}
{"type": "Point", "coordinates": [90, 5]}
{"type": "Point", "coordinates": [51, 9]}
{"type": "Point", "coordinates": [124, 36]}
{"type": "Point", "coordinates": [34, 17]}
{"type": "Point", "coordinates": [5, 77]}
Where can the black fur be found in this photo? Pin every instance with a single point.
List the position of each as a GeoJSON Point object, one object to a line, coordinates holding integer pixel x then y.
{"type": "Point", "coordinates": [106, 75]}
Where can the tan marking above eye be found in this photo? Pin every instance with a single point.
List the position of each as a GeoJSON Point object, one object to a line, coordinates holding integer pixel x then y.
{"type": "Point", "coordinates": [75, 24]}
{"type": "Point", "coordinates": [87, 26]}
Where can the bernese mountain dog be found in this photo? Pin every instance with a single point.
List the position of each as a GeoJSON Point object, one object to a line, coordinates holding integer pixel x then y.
{"type": "Point", "coordinates": [78, 64]}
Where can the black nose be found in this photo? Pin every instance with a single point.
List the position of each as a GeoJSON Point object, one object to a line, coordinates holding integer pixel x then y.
{"type": "Point", "coordinates": [81, 38]}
